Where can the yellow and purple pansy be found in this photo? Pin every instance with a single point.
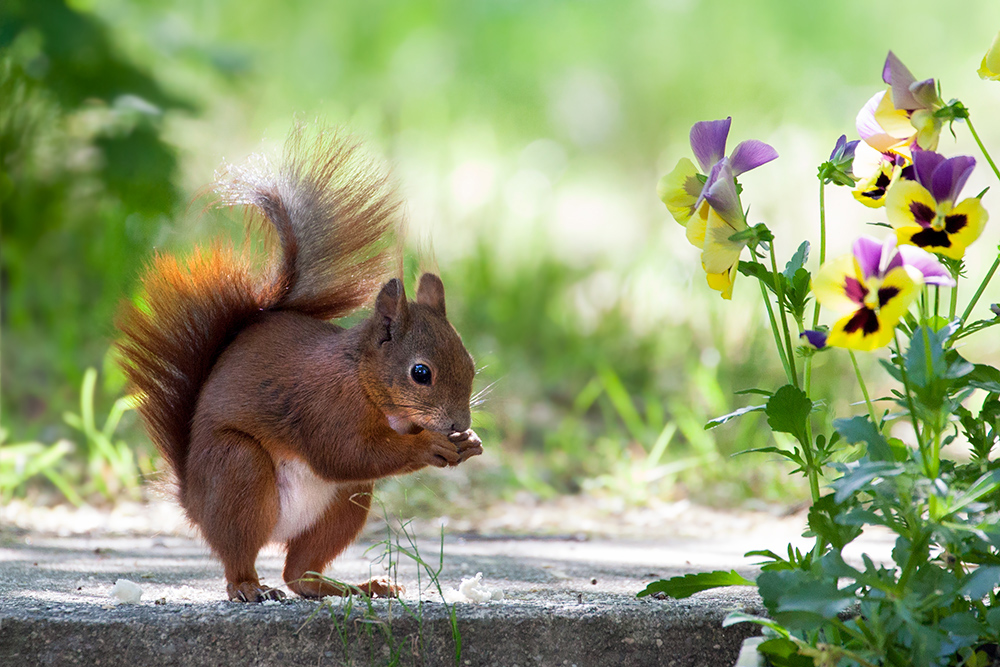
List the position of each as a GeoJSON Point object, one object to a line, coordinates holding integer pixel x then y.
{"type": "Point", "coordinates": [923, 211]}
{"type": "Point", "coordinates": [706, 202]}
{"type": "Point", "coordinates": [873, 287]}
{"type": "Point", "coordinates": [903, 115]}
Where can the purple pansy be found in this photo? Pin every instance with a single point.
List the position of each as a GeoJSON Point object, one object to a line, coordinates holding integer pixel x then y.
{"type": "Point", "coordinates": [708, 143]}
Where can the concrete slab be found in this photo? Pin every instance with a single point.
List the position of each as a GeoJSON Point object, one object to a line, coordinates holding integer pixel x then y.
{"type": "Point", "coordinates": [567, 601]}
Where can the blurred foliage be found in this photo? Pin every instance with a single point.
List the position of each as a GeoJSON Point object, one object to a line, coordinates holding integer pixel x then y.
{"type": "Point", "coordinates": [86, 183]}
{"type": "Point", "coordinates": [528, 137]}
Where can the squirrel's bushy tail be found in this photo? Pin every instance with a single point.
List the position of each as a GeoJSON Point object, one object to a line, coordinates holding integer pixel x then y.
{"type": "Point", "coordinates": [336, 219]}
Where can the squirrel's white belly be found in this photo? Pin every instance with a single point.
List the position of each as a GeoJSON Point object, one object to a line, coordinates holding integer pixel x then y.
{"type": "Point", "coordinates": [304, 497]}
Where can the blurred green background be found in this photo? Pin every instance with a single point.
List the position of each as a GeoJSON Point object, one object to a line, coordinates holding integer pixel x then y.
{"type": "Point", "coordinates": [527, 138]}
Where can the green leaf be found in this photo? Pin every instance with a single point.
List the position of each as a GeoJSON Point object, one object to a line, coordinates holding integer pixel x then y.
{"type": "Point", "coordinates": [861, 429]}
{"type": "Point", "coordinates": [787, 412]}
{"type": "Point", "coordinates": [981, 582]}
{"type": "Point", "coordinates": [797, 261]}
{"type": "Point", "coordinates": [860, 476]}
{"type": "Point", "coordinates": [822, 521]}
{"type": "Point", "coordinates": [984, 377]}
{"type": "Point", "coordinates": [802, 600]}
{"type": "Point", "coordinates": [689, 584]}
{"type": "Point", "coordinates": [783, 652]}
{"type": "Point", "coordinates": [754, 390]}
{"type": "Point", "coordinates": [718, 421]}
{"type": "Point", "coordinates": [758, 271]}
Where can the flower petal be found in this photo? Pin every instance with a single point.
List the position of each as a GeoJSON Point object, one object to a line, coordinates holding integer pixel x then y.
{"type": "Point", "coordinates": [751, 154]}
{"type": "Point", "coordinates": [925, 93]}
{"type": "Point", "coordinates": [950, 176]}
{"type": "Point", "coordinates": [866, 329]}
{"type": "Point", "coordinates": [720, 191]}
{"type": "Point", "coordinates": [680, 190]}
{"type": "Point", "coordinates": [899, 78]}
{"type": "Point", "coordinates": [814, 339]}
{"type": "Point", "coordinates": [868, 253]}
{"type": "Point", "coordinates": [708, 141]}
{"type": "Point", "coordinates": [990, 69]}
{"type": "Point", "coordinates": [924, 164]}
{"type": "Point", "coordinates": [908, 203]}
{"type": "Point", "coordinates": [894, 120]}
{"type": "Point", "coordinates": [723, 282]}
{"type": "Point", "coordinates": [719, 253]}
{"type": "Point", "coordinates": [871, 191]}
{"type": "Point", "coordinates": [830, 284]}
{"type": "Point", "coordinates": [933, 271]}
{"type": "Point", "coordinates": [965, 223]}
{"type": "Point", "coordinates": [696, 225]}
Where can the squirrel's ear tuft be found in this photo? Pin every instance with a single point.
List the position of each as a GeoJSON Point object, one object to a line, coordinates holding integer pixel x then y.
{"type": "Point", "coordinates": [430, 292]}
{"type": "Point", "coordinates": [390, 304]}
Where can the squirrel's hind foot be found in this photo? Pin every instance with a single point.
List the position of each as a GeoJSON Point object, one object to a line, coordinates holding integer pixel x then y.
{"type": "Point", "coordinates": [249, 591]}
{"type": "Point", "coordinates": [313, 587]}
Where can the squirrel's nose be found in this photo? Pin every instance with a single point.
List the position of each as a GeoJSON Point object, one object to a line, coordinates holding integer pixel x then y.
{"type": "Point", "coordinates": [462, 424]}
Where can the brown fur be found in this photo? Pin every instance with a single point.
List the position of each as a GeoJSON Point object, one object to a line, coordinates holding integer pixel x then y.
{"type": "Point", "coordinates": [274, 421]}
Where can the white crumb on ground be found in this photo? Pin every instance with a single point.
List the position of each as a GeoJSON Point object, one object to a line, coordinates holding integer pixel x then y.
{"type": "Point", "coordinates": [472, 590]}
{"type": "Point", "coordinates": [126, 592]}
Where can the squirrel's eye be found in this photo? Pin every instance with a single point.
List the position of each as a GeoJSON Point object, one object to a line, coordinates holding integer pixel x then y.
{"type": "Point", "coordinates": [421, 374]}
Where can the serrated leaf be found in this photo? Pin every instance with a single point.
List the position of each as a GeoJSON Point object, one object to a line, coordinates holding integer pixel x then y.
{"type": "Point", "coordinates": [981, 582]}
{"type": "Point", "coordinates": [787, 412]}
{"type": "Point", "coordinates": [861, 429]}
{"type": "Point", "coordinates": [689, 584]}
{"type": "Point", "coordinates": [797, 261]}
{"type": "Point", "coordinates": [984, 377]}
{"type": "Point", "coordinates": [861, 476]}
{"type": "Point", "coordinates": [802, 600]}
{"type": "Point", "coordinates": [758, 271]}
{"type": "Point", "coordinates": [718, 421]}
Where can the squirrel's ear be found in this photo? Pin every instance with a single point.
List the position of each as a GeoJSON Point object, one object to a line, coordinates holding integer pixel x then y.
{"type": "Point", "coordinates": [430, 292]}
{"type": "Point", "coordinates": [390, 304]}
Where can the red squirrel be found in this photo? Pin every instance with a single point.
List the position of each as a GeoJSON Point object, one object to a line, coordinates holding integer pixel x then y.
{"type": "Point", "coordinates": [274, 421]}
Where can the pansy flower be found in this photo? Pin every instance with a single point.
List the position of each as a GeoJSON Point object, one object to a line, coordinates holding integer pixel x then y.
{"type": "Point", "coordinates": [876, 172]}
{"type": "Point", "coordinates": [720, 256]}
{"type": "Point", "coordinates": [903, 115]}
{"type": "Point", "coordinates": [683, 189]}
{"type": "Point", "coordinates": [990, 69]}
{"type": "Point", "coordinates": [707, 202]}
{"type": "Point", "coordinates": [924, 211]}
{"type": "Point", "coordinates": [873, 287]}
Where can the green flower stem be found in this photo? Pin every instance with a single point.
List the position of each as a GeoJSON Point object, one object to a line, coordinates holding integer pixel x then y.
{"type": "Point", "coordinates": [909, 405]}
{"type": "Point", "coordinates": [864, 389]}
{"type": "Point", "coordinates": [807, 372]}
{"type": "Point", "coordinates": [774, 324]}
{"type": "Point", "coordinates": [794, 379]}
{"type": "Point", "coordinates": [953, 306]}
{"type": "Point", "coordinates": [979, 292]}
{"type": "Point", "coordinates": [822, 223]}
{"type": "Point", "coordinates": [979, 142]}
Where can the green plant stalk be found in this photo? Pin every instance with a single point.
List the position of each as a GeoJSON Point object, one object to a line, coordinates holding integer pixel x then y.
{"type": "Point", "coordinates": [986, 153]}
{"type": "Point", "coordinates": [774, 325]}
{"type": "Point", "coordinates": [979, 292]}
{"type": "Point", "coordinates": [864, 389]}
{"type": "Point", "coordinates": [931, 466]}
{"type": "Point", "coordinates": [794, 376]}
{"type": "Point", "coordinates": [807, 371]}
{"type": "Point", "coordinates": [953, 305]}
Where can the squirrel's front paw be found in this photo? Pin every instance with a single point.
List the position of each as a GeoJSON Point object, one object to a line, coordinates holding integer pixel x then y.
{"type": "Point", "coordinates": [468, 444]}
